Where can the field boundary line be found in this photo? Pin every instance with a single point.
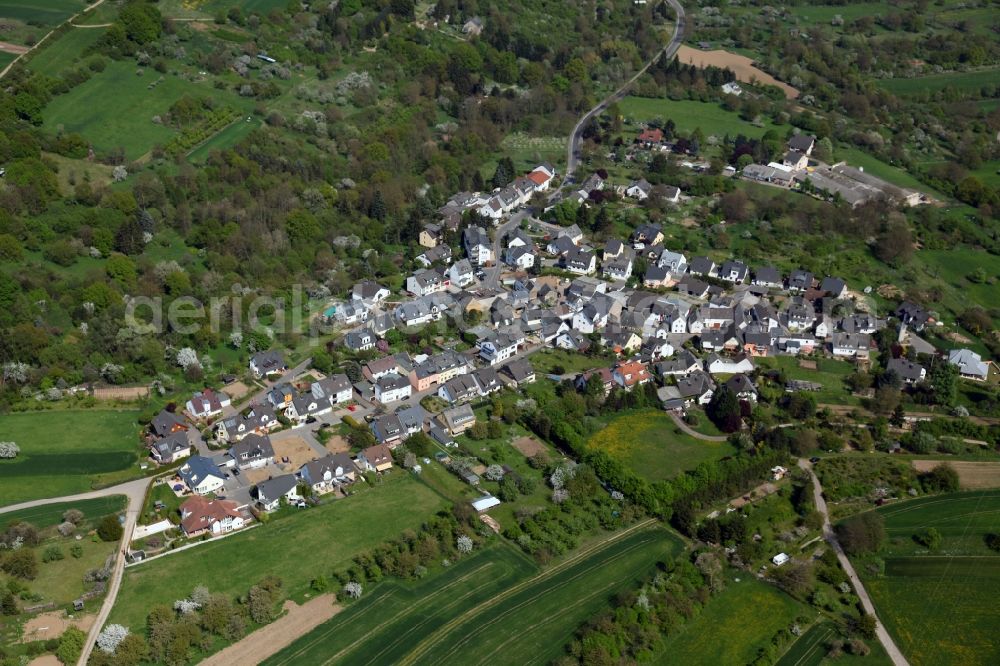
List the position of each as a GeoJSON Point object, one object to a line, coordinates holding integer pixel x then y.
{"type": "Point", "coordinates": [387, 595]}
{"type": "Point", "coordinates": [421, 648]}
{"type": "Point", "coordinates": [493, 620]}
{"type": "Point", "coordinates": [562, 611]}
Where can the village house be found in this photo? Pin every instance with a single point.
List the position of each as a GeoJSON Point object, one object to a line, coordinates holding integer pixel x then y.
{"type": "Point", "coordinates": [696, 388]}
{"type": "Point", "coordinates": [908, 371]}
{"type": "Point", "coordinates": [171, 448]}
{"type": "Point", "coordinates": [376, 458]}
{"type": "Point", "coordinates": [459, 389]}
{"type": "Point", "coordinates": [639, 189]}
{"type": "Point", "coordinates": [629, 374]}
{"type": "Point", "coordinates": [743, 388]}
{"type": "Point", "coordinates": [359, 340]}
{"type": "Point", "coordinates": [580, 261]}
{"type": "Point", "coordinates": [258, 418]}
{"type": "Point", "coordinates": [851, 345]}
{"type": "Point", "coordinates": [498, 347]}
{"type": "Point", "coordinates": [200, 515]}
{"type": "Point", "coordinates": [970, 364]}
{"type": "Point", "coordinates": [457, 420]}
{"type": "Point", "coordinates": [392, 387]}
{"type": "Point", "coordinates": [207, 404]}
{"type": "Point", "coordinates": [266, 363]}
{"type": "Point", "coordinates": [328, 473]}
{"type": "Point", "coordinates": [369, 293]}
{"type": "Point", "coordinates": [430, 235]}
{"type": "Point", "coordinates": [252, 452]}
{"type": "Point", "coordinates": [201, 475]}
{"type": "Point", "coordinates": [268, 494]}
{"type": "Point", "coordinates": [427, 281]}
{"type": "Point", "coordinates": [478, 247]}
{"type": "Point", "coordinates": [387, 429]}
{"type": "Point", "coordinates": [437, 254]}
{"type": "Point", "coordinates": [167, 423]}
{"type": "Point", "coordinates": [520, 371]}
{"type": "Point", "coordinates": [461, 274]}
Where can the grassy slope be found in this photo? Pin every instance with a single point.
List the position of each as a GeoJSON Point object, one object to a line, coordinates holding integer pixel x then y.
{"type": "Point", "coordinates": [935, 82]}
{"type": "Point", "coordinates": [62, 451]}
{"type": "Point", "coordinates": [922, 594]}
{"type": "Point", "coordinates": [62, 52]}
{"type": "Point", "coordinates": [747, 614]}
{"type": "Point", "coordinates": [828, 372]}
{"type": "Point", "coordinates": [687, 115]}
{"type": "Point", "coordinates": [115, 108]}
{"type": "Point", "coordinates": [297, 548]}
{"type": "Point", "coordinates": [44, 12]}
{"type": "Point", "coordinates": [529, 624]}
{"type": "Point", "coordinates": [650, 443]}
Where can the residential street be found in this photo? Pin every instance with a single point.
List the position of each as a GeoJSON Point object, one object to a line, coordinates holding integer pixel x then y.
{"type": "Point", "coordinates": [831, 537]}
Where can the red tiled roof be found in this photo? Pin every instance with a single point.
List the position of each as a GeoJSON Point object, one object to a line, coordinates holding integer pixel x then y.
{"type": "Point", "coordinates": [538, 177]}
{"type": "Point", "coordinates": [202, 512]}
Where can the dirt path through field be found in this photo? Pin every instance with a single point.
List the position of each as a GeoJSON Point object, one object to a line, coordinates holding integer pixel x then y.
{"type": "Point", "coordinates": [14, 48]}
{"type": "Point", "coordinates": [971, 475]}
{"type": "Point", "coordinates": [274, 637]}
{"type": "Point", "coordinates": [741, 66]}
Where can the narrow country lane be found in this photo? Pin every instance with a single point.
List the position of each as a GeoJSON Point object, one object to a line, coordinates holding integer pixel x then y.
{"type": "Point", "coordinates": [831, 538]}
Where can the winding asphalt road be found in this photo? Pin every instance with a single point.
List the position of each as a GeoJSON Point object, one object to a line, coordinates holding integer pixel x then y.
{"type": "Point", "coordinates": [831, 538]}
{"type": "Point", "coordinates": [576, 138]}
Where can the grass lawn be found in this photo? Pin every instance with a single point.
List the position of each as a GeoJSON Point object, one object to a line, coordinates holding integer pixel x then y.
{"type": "Point", "coordinates": [817, 14]}
{"type": "Point", "coordinates": [828, 372]}
{"type": "Point", "coordinates": [688, 115]}
{"type": "Point", "coordinates": [858, 158]}
{"type": "Point", "coordinates": [488, 608]}
{"type": "Point", "coordinates": [811, 650]}
{"type": "Point", "coordinates": [227, 138]}
{"type": "Point", "coordinates": [297, 547]}
{"type": "Point", "coordinates": [65, 452]}
{"type": "Point", "coordinates": [921, 594]}
{"type": "Point", "coordinates": [76, 170]}
{"type": "Point", "coordinates": [6, 58]}
{"type": "Point", "coordinates": [963, 81]}
{"type": "Point", "coordinates": [62, 581]}
{"type": "Point", "coordinates": [63, 52]}
{"type": "Point", "coordinates": [115, 108]}
{"type": "Point", "coordinates": [955, 265]}
{"type": "Point", "coordinates": [651, 444]}
{"type": "Point", "coordinates": [747, 614]}
{"type": "Point", "coordinates": [548, 361]}
{"type": "Point", "coordinates": [50, 515]}
{"type": "Point", "coordinates": [42, 12]}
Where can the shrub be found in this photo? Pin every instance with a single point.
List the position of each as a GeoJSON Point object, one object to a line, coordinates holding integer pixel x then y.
{"type": "Point", "coordinates": [70, 645]}
{"type": "Point", "coordinates": [53, 554]}
{"type": "Point", "coordinates": [863, 533]}
{"type": "Point", "coordinates": [110, 529]}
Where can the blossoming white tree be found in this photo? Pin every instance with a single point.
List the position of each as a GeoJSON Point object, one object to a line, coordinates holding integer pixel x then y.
{"type": "Point", "coordinates": [353, 590]}
{"type": "Point", "coordinates": [464, 544]}
{"type": "Point", "coordinates": [112, 636]}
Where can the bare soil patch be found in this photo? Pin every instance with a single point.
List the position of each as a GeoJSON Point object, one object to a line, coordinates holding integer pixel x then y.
{"type": "Point", "coordinates": [255, 476]}
{"type": "Point", "coordinates": [52, 625]}
{"type": "Point", "coordinates": [45, 660]}
{"type": "Point", "coordinates": [971, 475]}
{"type": "Point", "coordinates": [295, 449]}
{"type": "Point", "coordinates": [14, 48]}
{"type": "Point", "coordinates": [741, 66]}
{"type": "Point", "coordinates": [528, 446]}
{"type": "Point", "coordinates": [272, 638]}
{"type": "Point", "coordinates": [338, 444]}
{"type": "Point", "coordinates": [236, 390]}
{"type": "Point", "coordinates": [121, 392]}
{"type": "Point", "coordinates": [807, 365]}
